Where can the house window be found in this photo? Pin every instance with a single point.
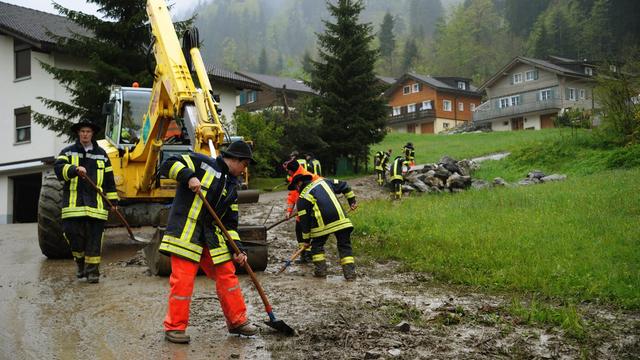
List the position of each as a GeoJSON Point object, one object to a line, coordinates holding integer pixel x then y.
{"type": "Point", "coordinates": [517, 78]}
{"type": "Point", "coordinates": [583, 94]}
{"type": "Point", "coordinates": [503, 103]}
{"type": "Point", "coordinates": [572, 94]}
{"type": "Point", "coordinates": [251, 97]}
{"type": "Point", "coordinates": [416, 87]}
{"type": "Point", "coordinates": [515, 100]}
{"type": "Point", "coordinates": [23, 124]}
{"type": "Point", "coordinates": [396, 111]}
{"type": "Point", "coordinates": [406, 90]}
{"type": "Point", "coordinates": [446, 105]}
{"type": "Point", "coordinates": [445, 125]}
{"type": "Point", "coordinates": [472, 106]}
{"type": "Point", "coordinates": [22, 59]}
{"type": "Point", "coordinates": [411, 108]}
{"type": "Point", "coordinates": [530, 75]}
{"type": "Point", "coordinates": [588, 71]}
{"type": "Point", "coordinates": [460, 106]}
{"type": "Point", "coordinates": [545, 94]}
{"type": "Point", "coordinates": [462, 85]}
{"type": "Point", "coordinates": [426, 105]}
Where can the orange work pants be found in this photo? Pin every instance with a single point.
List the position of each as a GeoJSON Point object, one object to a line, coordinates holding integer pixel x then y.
{"type": "Point", "coordinates": [183, 274]}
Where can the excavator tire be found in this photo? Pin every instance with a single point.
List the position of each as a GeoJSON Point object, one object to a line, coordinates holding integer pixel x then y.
{"type": "Point", "coordinates": [52, 243]}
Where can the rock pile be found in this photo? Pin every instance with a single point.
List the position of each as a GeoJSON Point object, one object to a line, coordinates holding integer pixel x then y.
{"type": "Point", "coordinates": [450, 175]}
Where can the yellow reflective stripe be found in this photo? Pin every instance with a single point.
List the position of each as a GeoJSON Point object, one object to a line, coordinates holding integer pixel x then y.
{"type": "Point", "coordinates": [175, 169]}
{"type": "Point", "coordinates": [63, 157]}
{"type": "Point", "coordinates": [347, 260]}
{"type": "Point", "coordinates": [305, 236]}
{"type": "Point", "coordinates": [350, 195]}
{"type": "Point", "coordinates": [219, 251]}
{"type": "Point", "coordinates": [184, 244]}
{"type": "Point", "coordinates": [170, 248]}
{"type": "Point", "coordinates": [65, 170]}
{"type": "Point", "coordinates": [92, 259]}
{"type": "Point", "coordinates": [302, 212]}
{"type": "Point", "coordinates": [187, 159]}
{"type": "Point", "coordinates": [234, 207]}
{"type": "Point", "coordinates": [112, 195]}
{"type": "Point", "coordinates": [73, 186]}
{"type": "Point", "coordinates": [334, 200]}
{"type": "Point", "coordinates": [69, 212]}
{"type": "Point", "coordinates": [318, 257]}
{"type": "Point", "coordinates": [100, 178]}
{"type": "Point", "coordinates": [234, 234]}
{"type": "Point", "coordinates": [330, 228]}
{"type": "Point", "coordinates": [77, 254]}
{"type": "Point", "coordinates": [221, 258]}
{"type": "Point", "coordinates": [108, 169]}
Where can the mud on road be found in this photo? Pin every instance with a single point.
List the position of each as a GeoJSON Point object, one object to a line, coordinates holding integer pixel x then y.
{"type": "Point", "coordinates": [387, 313]}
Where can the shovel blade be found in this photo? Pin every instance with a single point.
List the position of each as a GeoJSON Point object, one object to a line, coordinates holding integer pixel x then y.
{"type": "Point", "coordinates": [140, 240]}
{"type": "Point", "coordinates": [280, 326]}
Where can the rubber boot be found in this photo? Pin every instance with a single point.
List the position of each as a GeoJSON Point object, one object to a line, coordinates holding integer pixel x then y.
{"type": "Point", "coordinates": [304, 258]}
{"type": "Point", "coordinates": [93, 273]}
{"type": "Point", "coordinates": [349, 272]}
{"type": "Point", "coordinates": [80, 272]}
{"type": "Point", "coordinates": [320, 269]}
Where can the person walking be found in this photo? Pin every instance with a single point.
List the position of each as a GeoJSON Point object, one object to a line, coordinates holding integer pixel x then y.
{"type": "Point", "coordinates": [192, 239]}
{"type": "Point", "coordinates": [313, 165]}
{"type": "Point", "coordinates": [396, 176]}
{"type": "Point", "coordinates": [321, 215]}
{"type": "Point", "coordinates": [83, 209]}
{"type": "Point", "coordinates": [380, 165]}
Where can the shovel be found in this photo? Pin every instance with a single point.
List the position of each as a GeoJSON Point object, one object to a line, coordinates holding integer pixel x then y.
{"type": "Point", "coordinates": [281, 221]}
{"type": "Point", "coordinates": [124, 221]}
{"type": "Point", "coordinates": [273, 322]}
{"type": "Point", "coordinates": [293, 257]}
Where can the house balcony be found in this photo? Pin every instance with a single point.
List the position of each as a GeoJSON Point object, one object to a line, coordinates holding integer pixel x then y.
{"type": "Point", "coordinates": [412, 117]}
{"type": "Point", "coordinates": [489, 110]}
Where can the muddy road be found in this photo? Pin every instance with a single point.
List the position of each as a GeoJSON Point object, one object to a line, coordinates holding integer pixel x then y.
{"type": "Point", "coordinates": [386, 314]}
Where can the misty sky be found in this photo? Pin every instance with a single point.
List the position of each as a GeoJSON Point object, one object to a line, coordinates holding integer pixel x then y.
{"type": "Point", "coordinates": [180, 7]}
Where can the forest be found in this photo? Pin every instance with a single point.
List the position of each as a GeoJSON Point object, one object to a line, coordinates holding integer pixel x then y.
{"type": "Point", "coordinates": [470, 38]}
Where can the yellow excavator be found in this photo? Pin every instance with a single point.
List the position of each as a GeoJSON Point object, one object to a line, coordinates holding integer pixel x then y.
{"type": "Point", "coordinates": [144, 127]}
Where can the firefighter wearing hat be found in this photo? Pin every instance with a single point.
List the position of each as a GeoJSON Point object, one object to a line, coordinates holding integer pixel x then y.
{"type": "Point", "coordinates": [409, 154]}
{"type": "Point", "coordinates": [83, 209]}
{"type": "Point", "coordinates": [193, 240]}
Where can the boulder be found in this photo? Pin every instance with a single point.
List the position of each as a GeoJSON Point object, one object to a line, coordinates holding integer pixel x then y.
{"type": "Point", "coordinates": [456, 181]}
{"type": "Point", "coordinates": [499, 182]}
{"type": "Point", "coordinates": [442, 173]}
{"type": "Point", "coordinates": [535, 174]}
{"type": "Point", "coordinates": [554, 177]}
{"type": "Point", "coordinates": [480, 184]}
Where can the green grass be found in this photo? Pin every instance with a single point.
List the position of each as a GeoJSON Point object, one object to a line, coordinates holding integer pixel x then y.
{"type": "Point", "coordinates": [267, 184]}
{"type": "Point", "coordinates": [576, 240]}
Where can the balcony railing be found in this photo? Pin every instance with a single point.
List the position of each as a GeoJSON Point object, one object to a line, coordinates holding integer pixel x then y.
{"type": "Point", "coordinates": [410, 117]}
{"type": "Point", "coordinates": [488, 109]}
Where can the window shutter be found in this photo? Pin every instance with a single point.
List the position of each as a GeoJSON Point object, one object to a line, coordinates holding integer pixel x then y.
{"type": "Point", "coordinates": [519, 99]}
{"type": "Point", "coordinates": [566, 93]}
{"type": "Point", "coordinates": [243, 99]}
{"type": "Point", "coordinates": [553, 93]}
{"type": "Point", "coordinates": [497, 103]}
{"type": "Point", "coordinates": [535, 74]}
{"type": "Point", "coordinates": [511, 79]}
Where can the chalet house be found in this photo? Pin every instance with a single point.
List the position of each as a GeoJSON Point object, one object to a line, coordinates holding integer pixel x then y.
{"type": "Point", "coordinates": [276, 92]}
{"type": "Point", "coordinates": [26, 148]}
{"type": "Point", "coordinates": [529, 93]}
{"type": "Point", "coordinates": [428, 105]}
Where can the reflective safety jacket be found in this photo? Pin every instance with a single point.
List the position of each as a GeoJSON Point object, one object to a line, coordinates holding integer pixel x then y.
{"type": "Point", "coordinates": [380, 160]}
{"type": "Point", "coordinates": [292, 198]}
{"type": "Point", "coordinates": [397, 167]}
{"type": "Point", "coordinates": [314, 167]}
{"type": "Point", "coordinates": [319, 209]}
{"type": "Point", "coordinates": [79, 198]}
{"type": "Point", "coordinates": [409, 153]}
{"type": "Point", "coordinates": [190, 225]}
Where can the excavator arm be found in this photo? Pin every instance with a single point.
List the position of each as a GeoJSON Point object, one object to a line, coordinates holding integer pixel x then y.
{"type": "Point", "coordinates": [175, 96]}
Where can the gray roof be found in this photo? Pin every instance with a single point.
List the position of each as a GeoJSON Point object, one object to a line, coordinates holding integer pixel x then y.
{"type": "Point", "coordinates": [437, 83]}
{"type": "Point", "coordinates": [544, 64]}
{"type": "Point", "coordinates": [276, 82]}
{"type": "Point", "coordinates": [32, 26]}
{"type": "Point", "coordinates": [230, 77]}
{"type": "Point", "coordinates": [387, 79]}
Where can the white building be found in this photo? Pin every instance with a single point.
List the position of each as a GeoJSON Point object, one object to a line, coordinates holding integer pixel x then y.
{"type": "Point", "coordinates": [26, 148]}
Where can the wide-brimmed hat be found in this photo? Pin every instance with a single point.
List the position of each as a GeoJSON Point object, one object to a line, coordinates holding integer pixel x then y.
{"type": "Point", "coordinates": [84, 123]}
{"type": "Point", "coordinates": [239, 150]}
{"type": "Point", "coordinates": [299, 177]}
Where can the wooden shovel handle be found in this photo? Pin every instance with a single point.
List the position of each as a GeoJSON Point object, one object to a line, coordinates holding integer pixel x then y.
{"type": "Point", "coordinates": [282, 220]}
{"type": "Point", "coordinates": [235, 248]}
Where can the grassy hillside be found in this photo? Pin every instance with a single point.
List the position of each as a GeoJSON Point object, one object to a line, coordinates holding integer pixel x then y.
{"type": "Point", "coordinates": [575, 241]}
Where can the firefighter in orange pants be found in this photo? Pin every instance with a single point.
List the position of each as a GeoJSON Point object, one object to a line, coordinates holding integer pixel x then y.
{"type": "Point", "coordinates": [193, 240]}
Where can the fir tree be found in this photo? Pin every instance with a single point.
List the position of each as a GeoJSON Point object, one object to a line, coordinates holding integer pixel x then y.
{"type": "Point", "coordinates": [352, 111]}
{"type": "Point", "coordinates": [387, 41]}
{"type": "Point", "coordinates": [410, 55]}
{"type": "Point", "coordinates": [263, 62]}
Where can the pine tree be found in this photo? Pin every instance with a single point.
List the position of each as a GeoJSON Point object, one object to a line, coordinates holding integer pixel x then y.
{"type": "Point", "coordinates": [263, 62]}
{"type": "Point", "coordinates": [387, 41]}
{"type": "Point", "coordinates": [352, 111]}
{"type": "Point", "coordinates": [409, 56]}
{"type": "Point", "coordinates": [116, 54]}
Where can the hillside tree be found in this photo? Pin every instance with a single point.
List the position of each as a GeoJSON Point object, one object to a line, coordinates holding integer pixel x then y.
{"type": "Point", "coordinates": [387, 40]}
{"type": "Point", "coordinates": [352, 111]}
